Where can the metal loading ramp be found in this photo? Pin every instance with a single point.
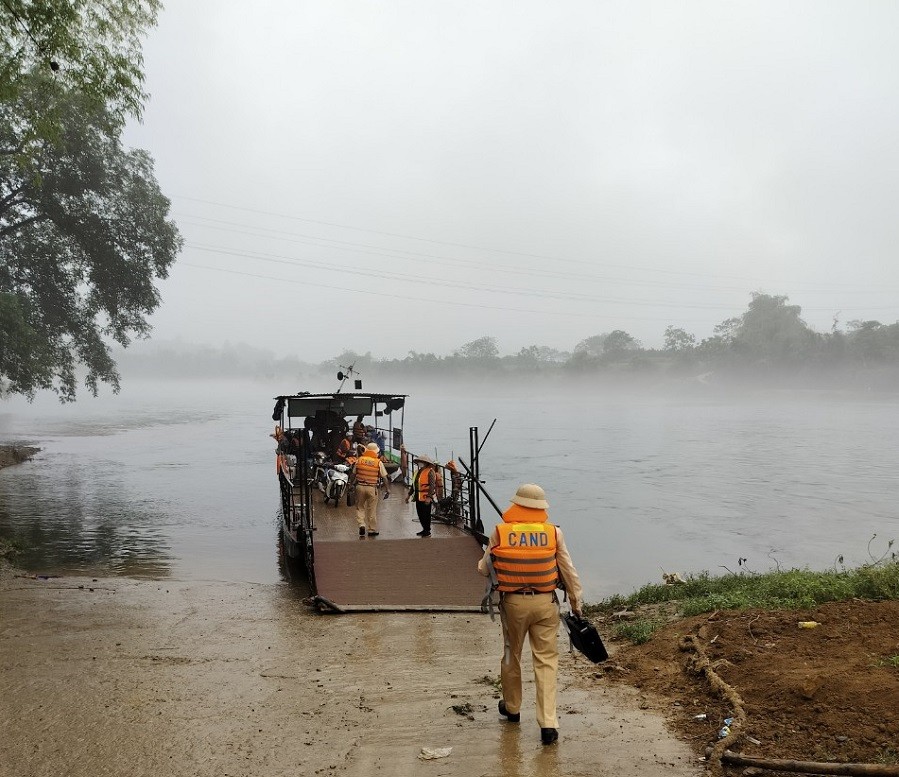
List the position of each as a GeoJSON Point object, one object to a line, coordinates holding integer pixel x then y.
{"type": "Point", "coordinates": [396, 570]}
{"type": "Point", "coordinates": [417, 574]}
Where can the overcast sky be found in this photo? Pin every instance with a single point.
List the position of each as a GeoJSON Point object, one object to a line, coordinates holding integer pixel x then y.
{"type": "Point", "coordinates": [396, 176]}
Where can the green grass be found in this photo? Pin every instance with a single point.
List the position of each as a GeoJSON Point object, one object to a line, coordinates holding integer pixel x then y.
{"type": "Point", "coordinates": [637, 631]}
{"type": "Point", "coordinates": [778, 590]}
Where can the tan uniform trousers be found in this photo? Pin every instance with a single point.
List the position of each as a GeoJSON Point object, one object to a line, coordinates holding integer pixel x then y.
{"type": "Point", "coordinates": [367, 506]}
{"type": "Point", "coordinates": [537, 618]}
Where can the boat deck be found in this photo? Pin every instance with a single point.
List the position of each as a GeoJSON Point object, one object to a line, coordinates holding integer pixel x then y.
{"type": "Point", "coordinates": [395, 570]}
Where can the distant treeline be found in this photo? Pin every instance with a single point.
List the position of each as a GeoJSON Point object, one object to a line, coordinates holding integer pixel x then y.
{"type": "Point", "coordinates": [768, 339]}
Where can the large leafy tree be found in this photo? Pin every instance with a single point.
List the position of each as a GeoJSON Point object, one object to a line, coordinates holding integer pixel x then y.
{"type": "Point", "coordinates": [772, 332]}
{"type": "Point", "coordinates": [83, 236]}
{"type": "Point", "coordinates": [84, 231]}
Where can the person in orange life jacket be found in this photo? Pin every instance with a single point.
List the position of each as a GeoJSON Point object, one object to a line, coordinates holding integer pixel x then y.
{"type": "Point", "coordinates": [344, 449]}
{"type": "Point", "coordinates": [529, 558]}
{"type": "Point", "coordinates": [424, 491]}
{"type": "Point", "coordinates": [368, 474]}
{"type": "Point", "coordinates": [359, 430]}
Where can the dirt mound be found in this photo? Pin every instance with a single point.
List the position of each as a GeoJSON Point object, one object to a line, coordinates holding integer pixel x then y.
{"type": "Point", "coordinates": [826, 693]}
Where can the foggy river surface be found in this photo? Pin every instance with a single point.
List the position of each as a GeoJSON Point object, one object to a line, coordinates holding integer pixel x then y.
{"type": "Point", "coordinates": [179, 480]}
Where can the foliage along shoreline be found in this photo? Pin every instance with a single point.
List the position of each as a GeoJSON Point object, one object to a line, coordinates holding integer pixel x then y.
{"type": "Point", "coordinates": [768, 344]}
{"type": "Point", "coordinates": [639, 614]}
{"type": "Point", "coordinates": [15, 454]}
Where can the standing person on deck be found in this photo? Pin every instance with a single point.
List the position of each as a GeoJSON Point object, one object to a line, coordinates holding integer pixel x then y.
{"type": "Point", "coordinates": [424, 491]}
{"type": "Point", "coordinates": [528, 559]}
{"type": "Point", "coordinates": [368, 474]}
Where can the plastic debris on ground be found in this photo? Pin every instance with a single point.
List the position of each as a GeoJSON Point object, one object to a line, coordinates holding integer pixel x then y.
{"type": "Point", "coordinates": [430, 753]}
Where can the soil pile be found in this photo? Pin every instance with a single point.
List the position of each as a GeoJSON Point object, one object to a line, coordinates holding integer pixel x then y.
{"type": "Point", "coordinates": [823, 693]}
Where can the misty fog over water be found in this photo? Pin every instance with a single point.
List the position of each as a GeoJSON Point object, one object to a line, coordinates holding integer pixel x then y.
{"type": "Point", "coordinates": [178, 479]}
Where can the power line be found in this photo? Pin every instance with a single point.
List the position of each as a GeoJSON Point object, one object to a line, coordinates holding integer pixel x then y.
{"type": "Point", "coordinates": [399, 254]}
{"type": "Point", "coordinates": [432, 281]}
{"type": "Point", "coordinates": [428, 301]}
{"type": "Point", "coordinates": [821, 289]}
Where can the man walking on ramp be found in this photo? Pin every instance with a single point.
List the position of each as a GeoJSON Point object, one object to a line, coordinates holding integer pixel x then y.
{"type": "Point", "coordinates": [527, 559]}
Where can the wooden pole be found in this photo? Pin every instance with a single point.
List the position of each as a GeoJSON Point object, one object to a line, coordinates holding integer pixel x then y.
{"type": "Point", "coordinates": [810, 767]}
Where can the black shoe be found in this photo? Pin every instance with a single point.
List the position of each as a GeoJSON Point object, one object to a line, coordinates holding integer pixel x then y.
{"type": "Point", "coordinates": [548, 735]}
{"type": "Point", "coordinates": [513, 717]}
{"type": "Point", "coordinates": [373, 533]}
{"type": "Point", "coordinates": [422, 533]}
{"type": "Point", "coordinates": [361, 531]}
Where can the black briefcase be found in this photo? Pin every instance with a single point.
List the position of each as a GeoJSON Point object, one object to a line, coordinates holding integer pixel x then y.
{"type": "Point", "coordinates": [585, 638]}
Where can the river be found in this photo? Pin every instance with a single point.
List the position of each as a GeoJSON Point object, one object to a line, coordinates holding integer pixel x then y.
{"type": "Point", "coordinates": [177, 480]}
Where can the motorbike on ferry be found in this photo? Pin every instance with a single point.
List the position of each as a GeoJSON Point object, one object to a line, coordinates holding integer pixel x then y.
{"type": "Point", "coordinates": [331, 479]}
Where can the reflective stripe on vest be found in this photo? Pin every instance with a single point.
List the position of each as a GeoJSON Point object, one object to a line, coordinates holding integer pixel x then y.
{"type": "Point", "coordinates": [368, 470]}
{"type": "Point", "coordinates": [525, 558]}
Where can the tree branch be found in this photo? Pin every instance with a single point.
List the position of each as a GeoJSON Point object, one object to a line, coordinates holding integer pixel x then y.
{"type": "Point", "coordinates": [12, 228]}
{"type": "Point", "coordinates": [6, 200]}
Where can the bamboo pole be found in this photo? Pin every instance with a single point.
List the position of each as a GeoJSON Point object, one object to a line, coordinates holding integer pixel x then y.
{"type": "Point", "coordinates": [810, 767]}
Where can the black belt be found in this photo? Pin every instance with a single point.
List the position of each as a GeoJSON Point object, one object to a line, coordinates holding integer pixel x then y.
{"type": "Point", "coordinates": [527, 593]}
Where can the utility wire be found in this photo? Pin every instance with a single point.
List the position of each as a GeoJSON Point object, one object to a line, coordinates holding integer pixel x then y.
{"type": "Point", "coordinates": [391, 253]}
{"type": "Point", "coordinates": [432, 281]}
{"type": "Point", "coordinates": [580, 263]}
{"type": "Point", "coordinates": [428, 301]}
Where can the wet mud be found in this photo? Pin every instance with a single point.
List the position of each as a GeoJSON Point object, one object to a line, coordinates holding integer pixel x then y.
{"type": "Point", "coordinates": [117, 676]}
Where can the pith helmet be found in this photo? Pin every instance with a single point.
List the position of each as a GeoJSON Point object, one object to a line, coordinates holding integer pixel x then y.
{"type": "Point", "coordinates": [423, 459]}
{"type": "Point", "coordinates": [372, 446]}
{"type": "Point", "coordinates": [531, 495]}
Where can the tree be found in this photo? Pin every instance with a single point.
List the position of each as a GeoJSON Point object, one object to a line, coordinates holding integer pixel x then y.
{"type": "Point", "coordinates": [84, 235]}
{"type": "Point", "coordinates": [88, 46]}
{"type": "Point", "coordinates": [591, 347]}
{"type": "Point", "coordinates": [484, 349]}
{"type": "Point", "coordinates": [772, 331]}
{"type": "Point", "coordinates": [618, 343]}
{"type": "Point", "coordinates": [540, 354]}
{"type": "Point", "coordinates": [678, 340]}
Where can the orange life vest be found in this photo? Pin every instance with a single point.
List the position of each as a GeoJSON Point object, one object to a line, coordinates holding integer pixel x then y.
{"type": "Point", "coordinates": [422, 486]}
{"type": "Point", "coordinates": [525, 558]}
{"type": "Point", "coordinates": [368, 469]}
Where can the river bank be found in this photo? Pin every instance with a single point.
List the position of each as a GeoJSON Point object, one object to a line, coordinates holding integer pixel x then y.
{"type": "Point", "coordinates": [15, 454]}
{"type": "Point", "coordinates": [113, 676]}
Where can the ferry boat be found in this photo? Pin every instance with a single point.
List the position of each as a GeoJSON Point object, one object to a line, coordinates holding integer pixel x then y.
{"type": "Point", "coordinates": [397, 570]}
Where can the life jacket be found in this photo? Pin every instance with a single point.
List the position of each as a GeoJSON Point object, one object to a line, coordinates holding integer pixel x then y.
{"type": "Point", "coordinates": [404, 460]}
{"type": "Point", "coordinates": [421, 485]}
{"type": "Point", "coordinates": [368, 469]}
{"type": "Point", "coordinates": [344, 448]}
{"type": "Point", "coordinates": [525, 557]}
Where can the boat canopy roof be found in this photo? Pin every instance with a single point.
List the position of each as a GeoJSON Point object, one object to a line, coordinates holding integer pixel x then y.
{"type": "Point", "coordinates": [344, 404]}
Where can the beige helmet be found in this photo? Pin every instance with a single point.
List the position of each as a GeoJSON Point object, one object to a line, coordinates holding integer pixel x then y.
{"type": "Point", "coordinates": [423, 460]}
{"type": "Point", "coordinates": [531, 495]}
{"type": "Point", "coordinates": [373, 446]}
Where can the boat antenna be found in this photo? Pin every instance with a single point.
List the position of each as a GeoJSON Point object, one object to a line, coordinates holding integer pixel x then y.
{"type": "Point", "coordinates": [343, 377]}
